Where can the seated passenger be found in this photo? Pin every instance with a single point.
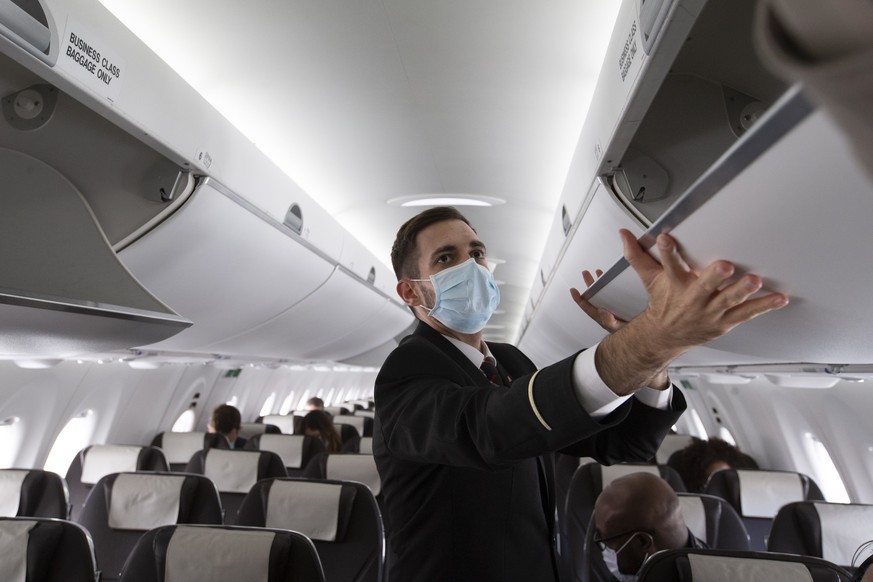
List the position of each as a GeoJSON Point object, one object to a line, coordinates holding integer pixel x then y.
{"type": "Point", "coordinates": [634, 517]}
{"type": "Point", "coordinates": [315, 403]}
{"type": "Point", "coordinates": [226, 421]}
{"type": "Point", "coordinates": [317, 423]}
{"type": "Point", "coordinates": [696, 462]}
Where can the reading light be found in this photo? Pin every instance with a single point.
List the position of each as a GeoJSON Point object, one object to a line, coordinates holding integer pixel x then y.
{"type": "Point", "coordinates": [446, 200]}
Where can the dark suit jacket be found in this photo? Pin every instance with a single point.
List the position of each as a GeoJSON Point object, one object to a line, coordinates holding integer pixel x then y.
{"type": "Point", "coordinates": [467, 494]}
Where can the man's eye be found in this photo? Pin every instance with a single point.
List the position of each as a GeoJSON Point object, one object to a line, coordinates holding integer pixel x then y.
{"type": "Point", "coordinates": [442, 259]}
{"type": "Point", "coordinates": [478, 254]}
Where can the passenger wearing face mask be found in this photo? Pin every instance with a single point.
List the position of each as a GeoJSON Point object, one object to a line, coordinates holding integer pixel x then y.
{"type": "Point", "coordinates": [464, 429]}
{"type": "Point", "coordinates": [634, 517]}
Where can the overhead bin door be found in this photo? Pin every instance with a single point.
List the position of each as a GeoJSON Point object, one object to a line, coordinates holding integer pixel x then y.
{"type": "Point", "coordinates": [225, 268]}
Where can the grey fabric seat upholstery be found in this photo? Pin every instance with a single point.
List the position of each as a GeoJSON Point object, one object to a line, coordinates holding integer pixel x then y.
{"type": "Point", "coordinates": [123, 506]}
{"type": "Point", "coordinates": [45, 550]}
{"type": "Point", "coordinates": [346, 467]}
{"type": "Point", "coordinates": [341, 517]}
{"type": "Point", "coordinates": [587, 483]}
{"type": "Point", "coordinates": [235, 472]}
{"type": "Point", "coordinates": [830, 531]}
{"type": "Point", "coordinates": [363, 424]}
{"type": "Point", "coordinates": [695, 565]}
{"type": "Point", "coordinates": [94, 462]}
{"type": "Point", "coordinates": [757, 495]}
{"type": "Point", "coordinates": [191, 553]}
{"type": "Point", "coordinates": [247, 430]}
{"type": "Point", "coordinates": [179, 447]}
{"type": "Point", "coordinates": [36, 493]}
{"type": "Point", "coordinates": [296, 450]}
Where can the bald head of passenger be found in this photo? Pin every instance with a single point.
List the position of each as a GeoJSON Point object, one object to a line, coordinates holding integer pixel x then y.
{"type": "Point", "coordinates": [636, 516]}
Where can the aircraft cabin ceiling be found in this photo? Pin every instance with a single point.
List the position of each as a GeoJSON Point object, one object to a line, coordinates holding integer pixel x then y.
{"type": "Point", "coordinates": [362, 102]}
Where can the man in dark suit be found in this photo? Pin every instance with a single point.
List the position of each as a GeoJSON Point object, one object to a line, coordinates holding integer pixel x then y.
{"type": "Point", "coordinates": [464, 459]}
{"type": "Point", "coordinates": [226, 421]}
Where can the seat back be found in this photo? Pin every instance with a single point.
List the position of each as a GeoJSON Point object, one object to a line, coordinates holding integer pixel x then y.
{"type": "Point", "coordinates": [191, 553]}
{"type": "Point", "coordinates": [122, 506]}
{"type": "Point", "coordinates": [247, 430]}
{"type": "Point", "coordinates": [179, 447]}
{"type": "Point", "coordinates": [671, 444]}
{"type": "Point", "coordinates": [757, 495]}
{"type": "Point", "coordinates": [45, 550]}
{"type": "Point", "coordinates": [337, 410]}
{"type": "Point", "coordinates": [712, 520]}
{"type": "Point", "coordinates": [360, 445]}
{"type": "Point", "coordinates": [362, 424]}
{"type": "Point", "coordinates": [587, 483]}
{"type": "Point", "coordinates": [234, 473]}
{"type": "Point", "coordinates": [342, 519]}
{"type": "Point", "coordinates": [95, 462]}
{"type": "Point", "coordinates": [287, 423]}
{"type": "Point", "coordinates": [830, 531]}
{"type": "Point", "coordinates": [296, 450]}
{"type": "Point", "coordinates": [33, 493]}
{"type": "Point", "coordinates": [346, 467]}
{"type": "Point", "coordinates": [696, 565]}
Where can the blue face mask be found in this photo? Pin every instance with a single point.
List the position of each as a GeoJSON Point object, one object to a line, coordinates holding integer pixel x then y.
{"type": "Point", "coordinates": [465, 297]}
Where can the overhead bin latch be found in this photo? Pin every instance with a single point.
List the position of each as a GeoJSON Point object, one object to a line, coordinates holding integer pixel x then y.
{"type": "Point", "coordinates": [294, 218]}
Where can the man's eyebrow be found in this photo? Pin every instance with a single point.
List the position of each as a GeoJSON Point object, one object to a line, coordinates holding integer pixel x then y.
{"type": "Point", "coordinates": [442, 250]}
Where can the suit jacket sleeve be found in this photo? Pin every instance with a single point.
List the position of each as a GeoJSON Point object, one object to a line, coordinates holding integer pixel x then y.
{"type": "Point", "coordinates": [434, 406]}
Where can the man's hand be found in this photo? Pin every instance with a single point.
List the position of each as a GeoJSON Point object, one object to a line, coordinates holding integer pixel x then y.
{"type": "Point", "coordinates": [685, 309]}
{"type": "Point", "coordinates": [604, 318]}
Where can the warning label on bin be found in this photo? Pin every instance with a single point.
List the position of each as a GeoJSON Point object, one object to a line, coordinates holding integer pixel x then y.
{"type": "Point", "coordinates": [91, 60]}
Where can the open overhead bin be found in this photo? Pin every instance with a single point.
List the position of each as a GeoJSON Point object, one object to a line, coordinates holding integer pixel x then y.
{"type": "Point", "coordinates": [696, 138]}
{"type": "Point", "coordinates": [151, 174]}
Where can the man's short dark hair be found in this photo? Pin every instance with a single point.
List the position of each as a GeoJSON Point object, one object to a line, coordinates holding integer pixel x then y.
{"type": "Point", "coordinates": [225, 418]}
{"type": "Point", "coordinates": [404, 253]}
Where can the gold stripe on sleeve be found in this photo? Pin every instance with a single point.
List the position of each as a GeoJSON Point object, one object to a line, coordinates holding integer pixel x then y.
{"type": "Point", "coordinates": [533, 404]}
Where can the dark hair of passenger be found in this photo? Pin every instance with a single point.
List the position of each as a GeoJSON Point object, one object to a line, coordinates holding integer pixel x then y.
{"type": "Point", "coordinates": [696, 462]}
{"type": "Point", "coordinates": [315, 403]}
{"type": "Point", "coordinates": [225, 418]}
{"type": "Point", "coordinates": [404, 252]}
{"type": "Point", "coordinates": [318, 423]}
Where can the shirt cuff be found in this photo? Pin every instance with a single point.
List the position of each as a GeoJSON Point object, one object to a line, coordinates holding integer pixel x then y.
{"type": "Point", "coordinates": [596, 397]}
{"type": "Point", "coordinates": [593, 394]}
{"type": "Point", "coordinates": [659, 399]}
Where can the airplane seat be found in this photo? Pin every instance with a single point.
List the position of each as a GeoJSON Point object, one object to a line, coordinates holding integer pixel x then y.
{"type": "Point", "coordinates": [831, 531]}
{"type": "Point", "coordinates": [200, 553]}
{"type": "Point", "coordinates": [587, 483]}
{"type": "Point", "coordinates": [96, 461]}
{"type": "Point", "coordinates": [365, 412]}
{"type": "Point", "coordinates": [179, 447]}
{"type": "Point", "coordinates": [346, 467]}
{"type": "Point", "coordinates": [347, 432]}
{"type": "Point", "coordinates": [248, 430]}
{"type": "Point", "coordinates": [757, 496]}
{"type": "Point", "coordinates": [45, 550]}
{"type": "Point", "coordinates": [342, 519]}
{"type": "Point", "coordinates": [359, 445]}
{"type": "Point", "coordinates": [691, 565]}
{"type": "Point", "coordinates": [235, 472]}
{"type": "Point", "coordinates": [296, 450]}
{"type": "Point", "coordinates": [363, 424]}
{"type": "Point", "coordinates": [123, 506]}
{"type": "Point", "coordinates": [671, 444]}
{"type": "Point", "coordinates": [337, 410]}
{"type": "Point", "coordinates": [711, 520]}
{"type": "Point", "coordinates": [33, 493]}
{"type": "Point", "coordinates": [287, 423]}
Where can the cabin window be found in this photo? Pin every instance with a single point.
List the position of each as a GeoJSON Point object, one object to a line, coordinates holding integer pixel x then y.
{"type": "Point", "coordinates": [233, 401]}
{"type": "Point", "coordinates": [824, 470]}
{"type": "Point", "coordinates": [185, 422]}
{"type": "Point", "coordinates": [690, 423]}
{"type": "Point", "coordinates": [301, 404]}
{"type": "Point", "coordinates": [287, 404]}
{"type": "Point", "coordinates": [267, 408]}
{"type": "Point", "coordinates": [11, 434]}
{"type": "Point", "coordinates": [74, 437]}
{"type": "Point", "coordinates": [329, 398]}
{"type": "Point", "coordinates": [725, 435]}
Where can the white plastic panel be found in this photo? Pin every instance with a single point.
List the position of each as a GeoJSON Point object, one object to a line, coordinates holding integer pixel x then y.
{"type": "Point", "coordinates": [559, 328]}
{"type": "Point", "coordinates": [224, 268]}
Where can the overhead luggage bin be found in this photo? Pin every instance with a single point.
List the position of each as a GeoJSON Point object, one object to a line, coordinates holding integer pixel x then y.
{"type": "Point", "coordinates": [204, 225]}
{"type": "Point", "coordinates": [736, 166]}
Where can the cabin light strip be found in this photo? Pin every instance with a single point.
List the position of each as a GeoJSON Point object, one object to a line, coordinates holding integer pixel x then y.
{"type": "Point", "coordinates": [236, 198]}
{"type": "Point", "coordinates": [792, 108]}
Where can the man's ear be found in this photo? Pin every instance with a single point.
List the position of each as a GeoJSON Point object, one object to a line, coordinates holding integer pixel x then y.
{"type": "Point", "coordinates": [407, 292]}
